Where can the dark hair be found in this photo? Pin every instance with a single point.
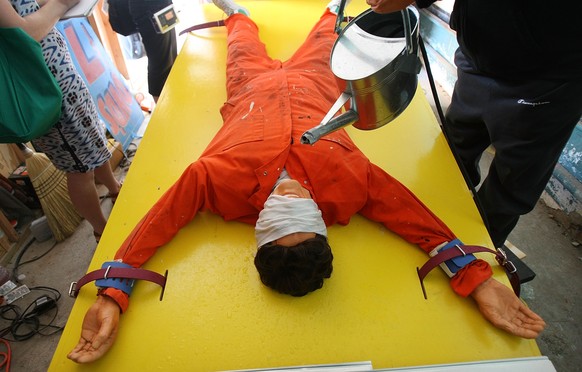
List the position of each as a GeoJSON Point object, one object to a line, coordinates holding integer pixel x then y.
{"type": "Point", "coordinates": [295, 270]}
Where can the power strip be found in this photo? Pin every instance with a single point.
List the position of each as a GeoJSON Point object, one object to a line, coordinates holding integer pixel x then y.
{"type": "Point", "coordinates": [16, 294]}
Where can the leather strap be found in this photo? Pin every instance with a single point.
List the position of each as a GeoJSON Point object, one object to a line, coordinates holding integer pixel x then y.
{"type": "Point", "coordinates": [463, 250]}
{"type": "Point", "coordinates": [220, 23]}
{"type": "Point", "coordinates": [510, 270]}
{"type": "Point", "coordinates": [120, 273]}
{"type": "Point", "coordinates": [202, 26]}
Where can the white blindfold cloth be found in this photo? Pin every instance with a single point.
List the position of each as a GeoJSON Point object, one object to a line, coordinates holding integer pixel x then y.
{"type": "Point", "coordinates": [282, 216]}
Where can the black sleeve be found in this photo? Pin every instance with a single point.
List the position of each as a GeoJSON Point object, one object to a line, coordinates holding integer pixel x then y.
{"type": "Point", "coordinates": [424, 3]}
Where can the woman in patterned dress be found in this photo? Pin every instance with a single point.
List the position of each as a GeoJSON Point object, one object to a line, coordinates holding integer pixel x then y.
{"type": "Point", "coordinates": [77, 143]}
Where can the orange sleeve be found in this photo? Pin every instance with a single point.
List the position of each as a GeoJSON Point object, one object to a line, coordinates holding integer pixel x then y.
{"type": "Point", "coordinates": [470, 277]}
{"type": "Point", "coordinates": [118, 296]}
{"type": "Point", "coordinates": [172, 211]}
{"type": "Point", "coordinates": [396, 207]}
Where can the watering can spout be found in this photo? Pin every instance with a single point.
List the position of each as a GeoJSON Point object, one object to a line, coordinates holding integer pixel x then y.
{"type": "Point", "coordinates": [314, 134]}
{"type": "Point", "coordinates": [329, 123]}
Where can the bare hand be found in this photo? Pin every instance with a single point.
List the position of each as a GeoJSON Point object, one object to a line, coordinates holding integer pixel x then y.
{"type": "Point", "coordinates": [98, 332]}
{"type": "Point", "coordinates": [388, 6]}
{"type": "Point", "coordinates": [506, 311]}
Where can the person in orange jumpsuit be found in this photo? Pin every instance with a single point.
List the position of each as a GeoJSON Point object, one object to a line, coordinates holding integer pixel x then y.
{"type": "Point", "coordinates": [290, 191]}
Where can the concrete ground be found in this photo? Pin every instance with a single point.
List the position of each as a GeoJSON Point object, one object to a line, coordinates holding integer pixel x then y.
{"type": "Point", "coordinates": [47, 268]}
{"type": "Point", "coordinates": [551, 253]}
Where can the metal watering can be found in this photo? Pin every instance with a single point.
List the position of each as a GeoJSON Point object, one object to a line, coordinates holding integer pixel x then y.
{"type": "Point", "coordinates": [377, 56]}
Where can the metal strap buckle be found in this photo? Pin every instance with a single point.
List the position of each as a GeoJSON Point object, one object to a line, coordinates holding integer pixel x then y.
{"type": "Point", "coordinates": [459, 248]}
{"type": "Point", "coordinates": [106, 272]}
{"type": "Point", "coordinates": [503, 261]}
{"type": "Point", "coordinates": [72, 289]}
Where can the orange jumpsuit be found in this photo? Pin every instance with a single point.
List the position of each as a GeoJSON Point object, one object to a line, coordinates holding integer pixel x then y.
{"type": "Point", "coordinates": [269, 105]}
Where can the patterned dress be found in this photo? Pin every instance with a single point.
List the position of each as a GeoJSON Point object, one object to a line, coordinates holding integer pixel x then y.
{"type": "Point", "coordinates": [77, 142]}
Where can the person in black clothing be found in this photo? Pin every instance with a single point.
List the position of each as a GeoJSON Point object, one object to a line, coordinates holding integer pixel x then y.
{"type": "Point", "coordinates": [161, 49]}
{"type": "Point", "coordinates": [519, 89]}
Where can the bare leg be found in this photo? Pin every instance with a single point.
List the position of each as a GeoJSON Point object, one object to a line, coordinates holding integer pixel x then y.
{"type": "Point", "coordinates": [105, 176]}
{"type": "Point", "coordinates": [83, 193]}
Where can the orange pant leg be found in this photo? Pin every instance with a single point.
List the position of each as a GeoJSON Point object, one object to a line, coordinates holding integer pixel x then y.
{"type": "Point", "coordinates": [316, 49]}
{"type": "Point", "coordinates": [247, 56]}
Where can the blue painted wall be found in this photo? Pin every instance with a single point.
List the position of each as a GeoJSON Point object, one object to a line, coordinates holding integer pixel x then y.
{"type": "Point", "coordinates": [571, 157]}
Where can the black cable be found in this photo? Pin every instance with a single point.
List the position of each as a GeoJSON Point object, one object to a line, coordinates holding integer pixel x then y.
{"type": "Point", "coordinates": [55, 291]}
{"type": "Point", "coordinates": [18, 258]}
{"type": "Point", "coordinates": [32, 321]}
{"type": "Point", "coordinates": [17, 262]}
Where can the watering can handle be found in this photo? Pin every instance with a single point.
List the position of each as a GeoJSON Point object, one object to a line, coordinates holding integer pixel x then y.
{"type": "Point", "coordinates": [342, 99]}
{"type": "Point", "coordinates": [340, 16]}
{"type": "Point", "coordinates": [407, 30]}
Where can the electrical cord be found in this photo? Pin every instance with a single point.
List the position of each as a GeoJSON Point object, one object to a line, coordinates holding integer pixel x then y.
{"type": "Point", "coordinates": [23, 325]}
{"type": "Point", "coordinates": [5, 356]}
{"type": "Point", "coordinates": [17, 262]}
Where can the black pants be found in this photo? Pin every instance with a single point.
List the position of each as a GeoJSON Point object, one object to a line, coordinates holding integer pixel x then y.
{"type": "Point", "coordinates": [161, 49]}
{"type": "Point", "coordinates": [527, 122]}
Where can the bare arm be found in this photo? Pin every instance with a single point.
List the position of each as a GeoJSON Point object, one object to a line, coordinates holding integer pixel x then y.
{"type": "Point", "coordinates": [504, 310]}
{"type": "Point", "coordinates": [98, 332]}
{"type": "Point", "coordinates": [39, 23]}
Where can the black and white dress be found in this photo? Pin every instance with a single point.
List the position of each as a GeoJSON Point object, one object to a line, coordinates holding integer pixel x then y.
{"type": "Point", "coordinates": [77, 143]}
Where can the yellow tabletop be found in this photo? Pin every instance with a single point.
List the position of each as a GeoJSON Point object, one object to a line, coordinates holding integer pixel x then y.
{"type": "Point", "coordinates": [216, 314]}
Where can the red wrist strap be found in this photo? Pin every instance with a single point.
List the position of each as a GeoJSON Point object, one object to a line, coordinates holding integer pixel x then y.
{"type": "Point", "coordinates": [120, 273]}
{"type": "Point", "coordinates": [462, 250]}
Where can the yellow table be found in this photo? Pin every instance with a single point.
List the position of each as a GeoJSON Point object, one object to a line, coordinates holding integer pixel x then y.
{"type": "Point", "coordinates": [216, 315]}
